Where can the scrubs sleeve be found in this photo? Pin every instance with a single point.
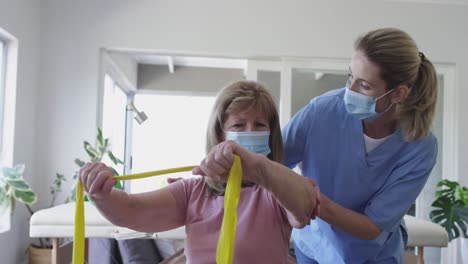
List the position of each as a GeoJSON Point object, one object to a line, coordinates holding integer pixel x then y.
{"type": "Point", "coordinates": [388, 206]}
{"type": "Point", "coordinates": [296, 133]}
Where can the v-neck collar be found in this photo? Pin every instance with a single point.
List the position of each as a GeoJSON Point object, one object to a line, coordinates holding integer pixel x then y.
{"type": "Point", "coordinates": [368, 159]}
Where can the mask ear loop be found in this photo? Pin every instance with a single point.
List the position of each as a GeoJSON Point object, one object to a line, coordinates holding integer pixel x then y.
{"type": "Point", "coordinates": [411, 88]}
{"type": "Point", "coordinates": [391, 104]}
{"type": "Point", "coordinates": [384, 94]}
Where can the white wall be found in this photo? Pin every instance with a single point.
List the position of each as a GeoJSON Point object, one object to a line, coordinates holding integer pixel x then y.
{"type": "Point", "coordinates": [21, 19]}
{"type": "Point", "coordinates": [75, 30]}
{"type": "Point", "coordinates": [72, 32]}
{"type": "Point", "coordinates": [185, 79]}
{"type": "Point", "coordinates": [128, 68]}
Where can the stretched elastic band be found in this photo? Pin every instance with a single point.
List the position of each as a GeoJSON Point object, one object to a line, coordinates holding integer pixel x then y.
{"type": "Point", "coordinates": [225, 248]}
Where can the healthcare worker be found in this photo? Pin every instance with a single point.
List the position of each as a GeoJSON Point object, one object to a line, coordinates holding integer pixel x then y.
{"type": "Point", "coordinates": [369, 148]}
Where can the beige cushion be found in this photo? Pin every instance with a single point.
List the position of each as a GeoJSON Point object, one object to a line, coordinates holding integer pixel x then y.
{"type": "Point", "coordinates": [425, 233]}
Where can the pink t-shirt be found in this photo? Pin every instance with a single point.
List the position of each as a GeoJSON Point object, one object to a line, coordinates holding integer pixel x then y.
{"type": "Point", "coordinates": [262, 234]}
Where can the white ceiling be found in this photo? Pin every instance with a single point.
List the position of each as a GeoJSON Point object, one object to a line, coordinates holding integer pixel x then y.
{"type": "Point", "coordinates": [189, 61]}
{"type": "Point", "coordinates": [441, 2]}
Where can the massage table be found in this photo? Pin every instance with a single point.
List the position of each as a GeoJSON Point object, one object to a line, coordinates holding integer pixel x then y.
{"type": "Point", "coordinates": [58, 222]}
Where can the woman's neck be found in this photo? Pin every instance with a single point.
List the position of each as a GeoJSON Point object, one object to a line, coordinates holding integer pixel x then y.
{"type": "Point", "coordinates": [381, 127]}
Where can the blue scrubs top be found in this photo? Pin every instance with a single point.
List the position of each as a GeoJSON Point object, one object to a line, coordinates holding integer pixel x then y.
{"type": "Point", "coordinates": [382, 184]}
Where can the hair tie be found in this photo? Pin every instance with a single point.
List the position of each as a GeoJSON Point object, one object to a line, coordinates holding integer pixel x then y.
{"type": "Point", "coordinates": [421, 55]}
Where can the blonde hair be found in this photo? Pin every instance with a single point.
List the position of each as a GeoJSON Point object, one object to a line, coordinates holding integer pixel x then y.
{"type": "Point", "coordinates": [238, 97]}
{"type": "Point", "coordinates": [400, 62]}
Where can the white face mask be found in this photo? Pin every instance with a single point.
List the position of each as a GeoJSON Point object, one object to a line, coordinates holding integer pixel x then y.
{"type": "Point", "coordinates": [362, 106]}
{"type": "Point", "coordinates": [255, 141]}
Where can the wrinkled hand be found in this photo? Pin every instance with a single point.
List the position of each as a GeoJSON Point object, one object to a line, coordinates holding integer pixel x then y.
{"type": "Point", "coordinates": [218, 162]}
{"type": "Point", "coordinates": [96, 179]}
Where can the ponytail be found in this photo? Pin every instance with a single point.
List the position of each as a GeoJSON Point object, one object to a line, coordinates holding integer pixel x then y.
{"type": "Point", "coordinates": [416, 113]}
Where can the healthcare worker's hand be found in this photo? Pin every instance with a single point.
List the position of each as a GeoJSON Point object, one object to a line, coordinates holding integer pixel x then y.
{"type": "Point", "coordinates": [316, 211]}
{"type": "Point", "coordinates": [97, 180]}
{"type": "Point", "coordinates": [218, 162]}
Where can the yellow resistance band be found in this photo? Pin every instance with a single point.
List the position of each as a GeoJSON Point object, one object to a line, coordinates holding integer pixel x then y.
{"type": "Point", "coordinates": [225, 248]}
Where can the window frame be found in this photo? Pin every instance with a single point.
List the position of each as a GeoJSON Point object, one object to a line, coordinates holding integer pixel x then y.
{"type": "Point", "coordinates": [8, 77]}
{"type": "Point", "coordinates": [3, 49]}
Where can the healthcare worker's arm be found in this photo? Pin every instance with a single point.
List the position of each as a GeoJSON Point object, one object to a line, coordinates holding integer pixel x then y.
{"type": "Point", "coordinates": [293, 193]}
{"type": "Point", "coordinates": [349, 221]}
{"type": "Point", "coordinates": [146, 212]}
{"type": "Point", "coordinates": [297, 195]}
{"type": "Point", "coordinates": [385, 210]}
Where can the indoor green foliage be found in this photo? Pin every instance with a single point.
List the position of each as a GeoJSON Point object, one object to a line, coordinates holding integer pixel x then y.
{"type": "Point", "coordinates": [96, 153]}
{"type": "Point", "coordinates": [451, 208]}
{"type": "Point", "coordinates": [14, 188]}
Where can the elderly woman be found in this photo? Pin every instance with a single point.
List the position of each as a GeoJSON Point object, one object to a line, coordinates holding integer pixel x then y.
{"type": "Point", "coordinates": [244, 121]}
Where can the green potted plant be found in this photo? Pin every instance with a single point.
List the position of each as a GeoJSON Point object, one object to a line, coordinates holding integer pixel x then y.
{"type": "Point", "coordinates": [451, 208]}
{"type": "Point", "coordinates": [14, 188]}
{"type": "Point", "coordinates": [96, 153]}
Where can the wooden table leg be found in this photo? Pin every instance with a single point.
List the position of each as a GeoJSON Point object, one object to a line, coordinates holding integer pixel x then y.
{"type": "Point", "coordinates": [55, 248]}
{"type": "Point", "coordinates": [420, 255]}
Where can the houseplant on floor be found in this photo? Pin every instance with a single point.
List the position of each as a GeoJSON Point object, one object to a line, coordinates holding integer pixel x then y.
{"type": "Point", "coordinates": [14, 188]}
{"type": "Point", "coordinates": [105, 249]}
{"type": "Point", "coordinates": [451, 212]}
{"type": "Point", "coordinates": [451, 208]}
{"type": "Point", "coordinates": [41, 253]}
{"type": "Point", "coordinates": [96, 153]}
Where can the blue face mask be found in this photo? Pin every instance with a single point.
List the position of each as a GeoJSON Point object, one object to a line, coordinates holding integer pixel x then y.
{"type": "Point", "coordinates": [255, 141]}
{"type": "Point", "coordinates": [362, 106]}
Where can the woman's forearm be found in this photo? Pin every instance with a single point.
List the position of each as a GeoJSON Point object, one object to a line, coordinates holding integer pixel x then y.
{"type": "Point", "coordinates": [295, 193]}
{"type": "Point", "coordinates": [347, 220]}
{"type": "Point", "coordinates": [146, 212]}
{"type": "Point", "coordinates": [116, 207]}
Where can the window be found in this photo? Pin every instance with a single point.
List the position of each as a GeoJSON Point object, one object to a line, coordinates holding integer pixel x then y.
{"type": "Point", "coordinates": [173, 136]}
{"type": "Point", "coordinates": [8, 67]}
{"type": "Point", "coordinates": [113, 121]}
{"type": "Point", "coordinates": [8, 63]}
{"type": "Point", "coordinates": [2, 85]}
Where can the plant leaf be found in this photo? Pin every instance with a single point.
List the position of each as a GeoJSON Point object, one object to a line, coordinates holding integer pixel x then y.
{"type": "Point", "coordinates": [11, 173]}
{"type": "Point", "coordinates": [26, 197]}
{"type": "Point", "coordinates": [92, 152]}
{"type": "Point", "coordinates": [99, 137]}
{"type": "Point", "coordinates": [450, 214]}
{"type": "Point", "coordinates": [106, 143]}
{"type": "Point", "coordinates": [19, 184]}
{"type": "Point", "coordinates": [79, 162]}
{"type": "Point", "coordinates": [461, 193]}
{"type": "Point", "coordinates": [114, 159]}
{"type": "Point", "coordinates": [5, 202]}
{"type": "Point", "coordinates": [444, 192]}
{"type": "Point", "coordinates": [450, 184]}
